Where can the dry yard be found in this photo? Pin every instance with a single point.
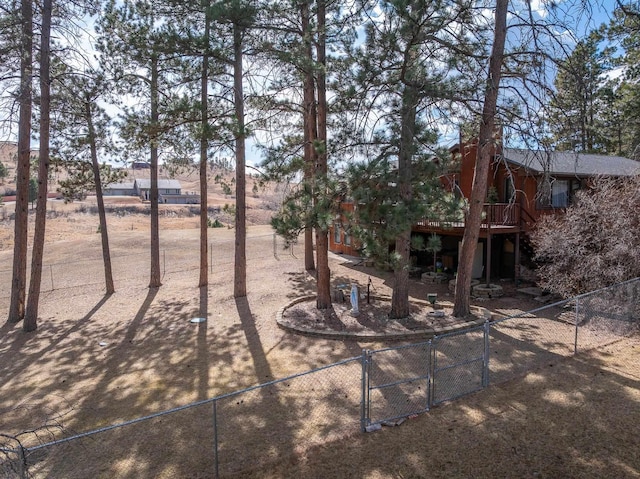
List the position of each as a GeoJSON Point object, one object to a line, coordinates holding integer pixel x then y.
{"type": "Point", "coordinates": [98, 360]}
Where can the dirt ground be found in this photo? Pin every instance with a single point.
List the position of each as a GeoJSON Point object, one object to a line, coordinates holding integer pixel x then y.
{"type": "Point", "coordinates": [96, 360]}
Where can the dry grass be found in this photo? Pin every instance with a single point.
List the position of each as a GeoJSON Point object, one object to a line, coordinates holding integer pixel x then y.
{"type": "Point", "coordinates": [575, 417]}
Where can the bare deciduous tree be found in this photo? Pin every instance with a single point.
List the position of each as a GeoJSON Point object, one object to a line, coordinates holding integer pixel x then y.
{"type": "Point", "coordinates": [596, 243]}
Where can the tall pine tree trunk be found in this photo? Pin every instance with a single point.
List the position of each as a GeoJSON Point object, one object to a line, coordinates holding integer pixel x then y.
{"type": "Point", "coordinates": [400, 296]}
{"type": "Point", "coordinates": [19, 278]}
{"type": "Point", "coordinates": [104, 235]}
{"type": "Point", "coordinates": [486, 147]}
{"type": "Point", "coordinates": [323, 300]}
{"type": "Point", "coordinates": [155, 280]}
{"type": "Point", "coordinates": [204, 144]}
{"type": "Point", "coordinates": [240, 265]}
{"type": "Point", "coordinates": [33, 300]}
{"type": "Point", "coordinates": [309, 124]}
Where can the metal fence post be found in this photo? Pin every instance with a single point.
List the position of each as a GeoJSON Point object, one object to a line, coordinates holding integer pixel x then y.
{"type": "Point", "coordinates": [364, 416]}
{"type": "Point", "coordinates": [275, 246]}
{"type": "Point", "coordinates": [23, 467]}
{"type": "Point", "coordinates": [575, 339]}
{"type": "Point", "coordinates": [215, 437]}
{"type": "Point", "coordinates": [429, 373]}
{"type": "Point", "coordinates": [485, 362]}
{"type": "Point", "coordinates": [164, 262]}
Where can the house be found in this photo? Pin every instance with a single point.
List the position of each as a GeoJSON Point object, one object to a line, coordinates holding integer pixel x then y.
{"type": "Point", "coordinates": [340, 239]}
{"type": "Point", "coordinates": [140, 165]}
{"type": "Point", "coordinates": [119, 189]}
{"type": "Point", "coordinates": [523, 185]}
{"type": "Point", "coordinates": [169, 191]}
{"type": "Point", "coordinates": [142, 187]}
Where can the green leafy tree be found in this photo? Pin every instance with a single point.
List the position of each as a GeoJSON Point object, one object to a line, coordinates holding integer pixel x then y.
{"type": "Point", "coordinates": [33, 191]}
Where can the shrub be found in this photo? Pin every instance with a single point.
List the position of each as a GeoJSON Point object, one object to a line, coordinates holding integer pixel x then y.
{"type": "Point", "coordinates": [595, 243]}
{"type": "Point", "coordinates": [214, 224]}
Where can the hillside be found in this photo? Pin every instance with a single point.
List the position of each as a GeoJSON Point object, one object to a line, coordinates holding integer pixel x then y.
{"type": "Point", "coordinates": [130, 213]}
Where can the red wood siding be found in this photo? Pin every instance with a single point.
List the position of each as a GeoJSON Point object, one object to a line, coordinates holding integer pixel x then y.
{"type": "Point", "coordinates": [340, 247]}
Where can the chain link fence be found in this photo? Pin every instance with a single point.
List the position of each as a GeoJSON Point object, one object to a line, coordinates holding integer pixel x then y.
{"type": "Point", "coordinates": [408, 380]}
{"type": "Point", "coordinates": [247, 429]}
{"type": "Point", "coordinates": [263, 424]}
{"type": "Point", "coordinates": [131, 267]}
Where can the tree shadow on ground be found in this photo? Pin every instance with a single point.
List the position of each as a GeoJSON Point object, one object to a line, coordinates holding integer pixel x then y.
{"type": "Point", "coordinates": [575, 419]}
{"type": "Point", "coordinates": [131, 385]}
{"type": "Point", "coordinates": [202, 349]}
{"type": "Point", "coordinates": [17, 344]}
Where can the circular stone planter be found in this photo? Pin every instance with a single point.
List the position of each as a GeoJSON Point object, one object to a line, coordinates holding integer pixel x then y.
{"type": "Point", "coordinates": [452, 285]}
{"type": "Point", "coordinates": [484, 291]}
{"type": "Point", "coordinates": [437, 278]}
{"type": "Point", "coordinates": [380, 333]}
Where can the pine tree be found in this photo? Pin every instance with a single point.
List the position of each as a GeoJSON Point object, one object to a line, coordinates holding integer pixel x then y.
{"type": "Point", "coordinates": [4, 172]}
{"type": "Point", "coordinates": [138, 50]}
{"type": "Point", "coordinates": [624, 30]}
{"type": "Point", "coordinates": [574, 119]}
{"type": "Point", "coordinates": [486, 147]}
{"type": "Point", "coordinates": [81, 133]}
{"type": "Point", "coordinates": [301, 44]}
{"type": "Point", "coordinates": [31, 313]}
{"type": "Point", "coordinates": [238, 16]}
{"type": "Point", "coordinates": [409, 66]}
{"type": "Point", "coordinates": [204, 148]}
{"type": "Point", "coordinates": [291, 31]}
{"type": "Point", "coordinates": [19, 279]}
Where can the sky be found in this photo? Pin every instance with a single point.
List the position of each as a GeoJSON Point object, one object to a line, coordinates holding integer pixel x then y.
{"type": "Point", "coordinates": [599, 13]}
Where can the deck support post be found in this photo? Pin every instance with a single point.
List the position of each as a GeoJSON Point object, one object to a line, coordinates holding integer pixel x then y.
{"type": "Point", "coordinates": [516, 261]}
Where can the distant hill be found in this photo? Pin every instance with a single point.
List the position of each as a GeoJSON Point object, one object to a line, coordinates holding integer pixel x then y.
{"type": "Point", "coordinates": [9, 158]}
{"type": "Point", "coordinates": [262, 202]}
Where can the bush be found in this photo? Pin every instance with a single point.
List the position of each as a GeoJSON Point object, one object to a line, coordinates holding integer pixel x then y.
{"type": "Point", "coordinates": [214, 224]}
{"type": "Point", "coordinates": [595, 243]}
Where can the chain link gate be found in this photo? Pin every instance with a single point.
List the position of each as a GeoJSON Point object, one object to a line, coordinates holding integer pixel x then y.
{"type": "Point", "coordinates": [460, 363]}
{"type": "Point", "coordinates": [396, 383]}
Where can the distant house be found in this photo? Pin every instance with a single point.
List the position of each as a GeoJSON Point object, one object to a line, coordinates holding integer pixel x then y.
{"type": "Point", "coordinates": [165, 187]}
{"type": "Point", "coordinates": [183, 199]}
{"type": "Point", "coordinates": [523, 185]}
{"type": "Point", "coordinates": [140, 165]}
{"type": "Point", "coordinates": [169, 191]}
{"type": "Point", "coordinates": [119, 189]}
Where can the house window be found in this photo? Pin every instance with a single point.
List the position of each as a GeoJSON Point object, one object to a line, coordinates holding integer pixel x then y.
{"type": "Point", "coordinates": [457, 192]}
{"type": "Point", "coordinates": [347, 238]}
{"type": "Point", "coordinates": [508, 189]}
{"type": "Point", "coordinates": [560, 194]}
{"type": "Point", "coordinates": [556, 193]}
{"type": "Point", "coordinates": [336, 233]}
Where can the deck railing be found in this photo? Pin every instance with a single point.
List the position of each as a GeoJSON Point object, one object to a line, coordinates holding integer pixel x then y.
{"type": "Point", "coordinates": [493, 214]}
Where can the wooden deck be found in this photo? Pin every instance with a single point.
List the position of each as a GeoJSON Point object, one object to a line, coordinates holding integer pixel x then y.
{"type": "Point", "coordinates": [498, 218]}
